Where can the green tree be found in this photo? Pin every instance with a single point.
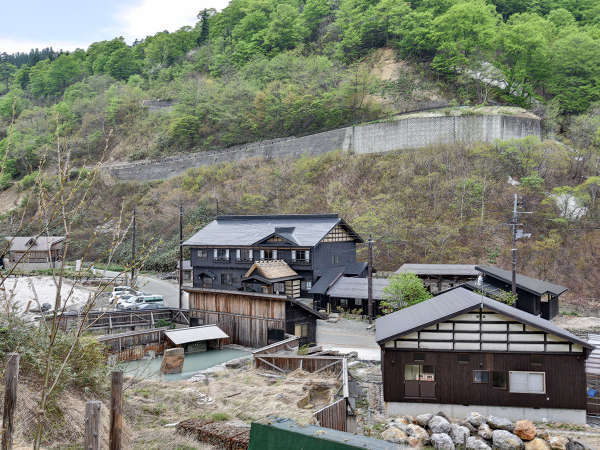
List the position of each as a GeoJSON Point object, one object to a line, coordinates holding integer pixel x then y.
{"type": "Point", "coordinates": [464, 35]}
{"type": "Point", "coordinates": [7, 70]}
{"type": "Point", "coordinates": [285, 29]}
{"type": "Point", "coordinates": [122, 64]}
{"type": "Point", "coordinates": [405, 289]}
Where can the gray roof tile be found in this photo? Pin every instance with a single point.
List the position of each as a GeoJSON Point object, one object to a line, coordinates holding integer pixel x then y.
{"type": "Point", "coordinates": [533, 285]}
{"type": "Point", "coordinates": [308, 229]}
{"type": "Point", "coordinates": [452, 303]}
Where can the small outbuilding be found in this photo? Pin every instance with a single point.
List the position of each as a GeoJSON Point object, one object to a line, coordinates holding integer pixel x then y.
{"type": "Point", "coordinates": [34, 249]}
{"type": "Point", "coordinates": [272, 277]}
{"type": "Point", "coordinates": [441, 277]}
{"type": "Point", "coordinates": [350, 294]}
{"type": "Point", "coordinates": [461, 351]}
{"type": "Point", "coordinates": [534, 296]}
{"type": "Point", "coordinates": [197, 339]}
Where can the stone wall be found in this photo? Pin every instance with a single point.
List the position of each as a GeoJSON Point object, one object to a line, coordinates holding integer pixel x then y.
{"type": "Point", "coordinates": [402, 134]}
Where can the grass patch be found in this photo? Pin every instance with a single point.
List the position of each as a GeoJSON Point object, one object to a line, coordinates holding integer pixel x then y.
{"type": "Point", "coordinates": [219, 417]}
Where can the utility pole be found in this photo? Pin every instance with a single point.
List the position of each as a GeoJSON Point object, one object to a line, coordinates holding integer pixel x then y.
{"type": "Point", "coordinates": [370, 281]}
{"type": "Point", "coordinates": [516, 235]}
{"type": "Point", "coordinates": [180, 257]}
{"type": "Point", "coordinates": [133, 252]}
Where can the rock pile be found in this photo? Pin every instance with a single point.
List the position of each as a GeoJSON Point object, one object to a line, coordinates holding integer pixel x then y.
{"type": "Point", "coordinates": [475, 432]}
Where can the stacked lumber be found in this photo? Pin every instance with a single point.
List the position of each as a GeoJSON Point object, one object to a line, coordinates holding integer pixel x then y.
{"type": "Point", "coordinates": [219, 434]}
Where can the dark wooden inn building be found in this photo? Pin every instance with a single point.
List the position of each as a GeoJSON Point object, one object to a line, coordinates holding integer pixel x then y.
{"type": "Point", "coordinates": [271, 254]}
{"type": "Point", "coordinates": [461, 351]}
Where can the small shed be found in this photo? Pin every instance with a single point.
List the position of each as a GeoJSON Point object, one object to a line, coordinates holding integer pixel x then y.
{"type": "Point", "coordinates": [272, 277]}
{"type": "Point", "coordinates": [440, 277]}
{"type": "Point", "coordinates": [197, 339]}
{"type": "Point", "coordinates": [537, 297]}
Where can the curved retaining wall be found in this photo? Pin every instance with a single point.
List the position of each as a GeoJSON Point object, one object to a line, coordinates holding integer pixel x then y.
{"type": "Point", "coordinates": [409, 133]}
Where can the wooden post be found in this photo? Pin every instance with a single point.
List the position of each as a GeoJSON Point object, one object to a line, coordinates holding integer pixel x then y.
{"type": "Point", "coordinates": [116, 410]}
{"type": "Point", "coordinates": [92, 425]}
{"type": "Point", "coordinates": [11, 381]}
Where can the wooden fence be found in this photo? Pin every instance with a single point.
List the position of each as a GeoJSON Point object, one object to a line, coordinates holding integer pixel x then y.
{"type": "Point", "coordinates": [110, 322]}
{"type": "Point", "coordinates": [136, 344]}
{"type": "Point", "coordinates": [333, 416]}
{"type": "Point", "coordinates": [290, 343]}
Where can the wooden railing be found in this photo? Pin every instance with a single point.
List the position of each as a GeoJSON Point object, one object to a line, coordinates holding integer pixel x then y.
{"type": "Point", "coordinates": [291, 342]}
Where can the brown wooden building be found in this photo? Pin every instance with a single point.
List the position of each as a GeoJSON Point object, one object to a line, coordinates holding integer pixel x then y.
{"type": "Point", "coordinates": [34, 249]}
{"type": "Point", "coordinates": [441, 277]}
{"type": "Point", "coordinates": [253, 319]}
{"type": "Point", "coordinates": [460, 352]}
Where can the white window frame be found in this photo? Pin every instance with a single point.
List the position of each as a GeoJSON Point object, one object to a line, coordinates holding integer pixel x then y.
{"type": "Point", "coordinates": [528, 372]}
{"type": "Point", "coordinates": [308, 285]}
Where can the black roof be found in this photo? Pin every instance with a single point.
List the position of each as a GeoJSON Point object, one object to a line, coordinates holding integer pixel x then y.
{"type": "Point", "coordinates": [352, 287]}
{"type": "Point", "coordinates": [327, 280]}
{"type": "Point", "coordinates": [453, 303]}
{"type": "Point", "coordinates": [533, 285]}
{"type": "Point", "coordinates": [304, 230]}
{"type": "Point", "coordinates": [439, 269]}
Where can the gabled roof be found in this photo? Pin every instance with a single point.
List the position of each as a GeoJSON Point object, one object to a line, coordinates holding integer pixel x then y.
{"type": "Point", "coordinates": [453, 303]}
{"type": "Point", "coordinates": [308, 229]}
{"type": "Point", "coordinates": [195, 334]}
{"type": "Point", "coordinates": [352, 287]}
{"type": "Point", "coordinates": [331, 276]}
{"type": "Point", "coordinates": [33, 243]}
{"type": "Point", "coordinates": [439, 269]}
{"type": "Point", "coordinates": [307, 308]}
{"type": "Point", "coordinates": [271, 270]}
{"type": "Point", "coordinates": [533, 285]}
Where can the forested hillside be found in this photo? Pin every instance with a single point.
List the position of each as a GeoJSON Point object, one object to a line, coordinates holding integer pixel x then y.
{"type": "Point", "coordinates": [267, 69]}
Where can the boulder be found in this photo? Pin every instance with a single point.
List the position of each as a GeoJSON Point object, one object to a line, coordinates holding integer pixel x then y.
{"type": "Point", "coordinates": [172, 361]}
{"type": "Point", "coordinates": [395, 435]}
{"type": "Point", "coordinates": [525, 430]}
{"type": "Point", "coordinates": [558, 442]}
{"type": "Point", "coordinates": [439, 424]}
{"type": "Point", "coordinates": [476, 419]}
{"type": "Point", "coordinates": [471, 428]}
{"type": "Point", "coordinates": [418, 433]}
{"type": "Point", "coordinates": [423, 419]}
{"type": "Point", "coordinates": [574, 445]}
{"type": "Point", "coordinates": [443, 414]}
{"type": "Point", "coordinates": [459, 434]}
{"type": "Point", "coordinates": [500, 423]}
{"type": "Point", "coordinates": [476, 443]}
{"type": "Point", "coordinates": [505, 440]}
{"type": "Point", "coordinates": [485, 431]}
{"type": "Point", "coordinates": [537, 444]}
{"type": "Point", "coordinates": [441, 441]}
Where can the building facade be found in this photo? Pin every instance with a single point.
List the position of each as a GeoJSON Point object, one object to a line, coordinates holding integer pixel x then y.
{"type": "Point", "coordinates": [223, 252]}
{"type": "Point", "coordinates": [461, 351]}
{"type": "Point", "coordinates": [537, 297]}
{"type": "Point", "coordinates": [440, 277]}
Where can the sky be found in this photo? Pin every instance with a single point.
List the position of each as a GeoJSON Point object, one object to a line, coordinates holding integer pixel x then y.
{"type": "Point", "coordinates": [71, 24]}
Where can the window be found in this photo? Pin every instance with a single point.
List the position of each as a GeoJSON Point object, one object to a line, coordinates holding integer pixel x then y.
{"type": "Point", "coordinates": [481, 376]}
{"type": "Point", "coordinates": [202, 253]}
{"type": "Point", "coordinates": [300, 256]}
{"type": "Point", "coordinates": [301, 329]}
{"type": "Point", "coordinates": [308, 285]}
{"type": "Point", "coordinates": [244, 254]}
{"type": "Point", "coordinates": [278, 288]}
{"type": "Point", "coordinates": [268, 254]}
{"type": "Point", "coordinates": [463, 359]}
{"type": "Point", "coordinates": [418, 372]}
{"type": "Point", "coordinates": [335, 259]}
{"type": "Point", "coordinates": [222, 254]}
{"type": "Point", "coordinates": [499, 380]}
{"type": "Point", "coordinates": [527, 382]}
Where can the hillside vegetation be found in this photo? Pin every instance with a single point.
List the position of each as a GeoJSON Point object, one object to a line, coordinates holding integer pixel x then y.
{"type": "Point", "coordinates": [267, 69]}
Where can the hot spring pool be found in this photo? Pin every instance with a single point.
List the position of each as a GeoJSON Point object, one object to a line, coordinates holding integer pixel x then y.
{"type": "Point", "coordinates": [193, 362]}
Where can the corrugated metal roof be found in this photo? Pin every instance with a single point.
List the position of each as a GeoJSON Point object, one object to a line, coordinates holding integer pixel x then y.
{"type": "Point", "coordinates": [309, 229]}
{"type": "Point", "coordinates": [439, 269]}
{"type": "Point", "coordinates": [533, 285]}
{"type": "Point", "coordinates": [350, 287]}
{"type": "Point", "coordinates": [195, 334]}
{"type": "Point", "coordinates": [40, 243]}
{"type": "Point", "coordinates": [452, 303]}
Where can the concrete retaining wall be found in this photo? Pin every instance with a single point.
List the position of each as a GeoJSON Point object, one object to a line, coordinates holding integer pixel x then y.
{"type": "Point", "coordinates": [408, 133]}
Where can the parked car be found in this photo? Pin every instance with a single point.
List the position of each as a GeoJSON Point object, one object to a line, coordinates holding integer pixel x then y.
{"type": "Point", "coordinates": [134, 302]}
{"type": "Point", "coordinates": [145, 306]}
